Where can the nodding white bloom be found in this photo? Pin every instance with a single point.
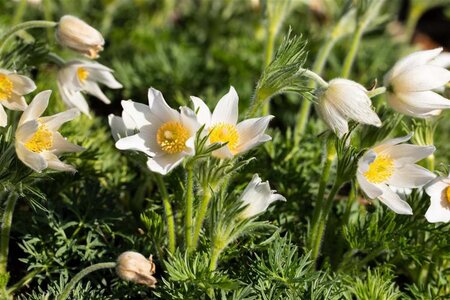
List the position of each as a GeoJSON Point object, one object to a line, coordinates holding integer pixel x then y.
{"type": "Point", "coordinates": [12, 89]}
{"type": "Point", "coordinates": [222, 126]}
{"type": "Point", "coordinates": [166, 135]}
{"type": "Point", "coordinates": [439, 192]}
{"type": "Point", "coordinates": [257, 196]}
{"type": "Point", "coordinates": [77, 35]}
{"type": "Point", "coordinates": [392, 164]}
{"type": "Point", "coordinates": [82, 76]}
{"type": "Point", "coordinates": [38, 142]}
{"type": "Point", "coordinates": [122, 126]}
{"type": "Point", "coordinates": [345, 100]}
{"type": "Point", "coordinates": [133, 266]}
{"type": "Point", "coordinates": [411, 81]}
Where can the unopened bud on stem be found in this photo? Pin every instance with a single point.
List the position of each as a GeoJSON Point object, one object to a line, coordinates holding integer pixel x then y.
{"type": "Point", "coordinates": [133, 266]}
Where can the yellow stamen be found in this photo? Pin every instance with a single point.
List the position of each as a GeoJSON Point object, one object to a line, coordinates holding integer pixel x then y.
{"type": "Point", "coordinates": [172, 137]}
{"type": "Point", "coordinates": [82, 74]}
{"type": "Point", "coordinates": [42, 140]}
{"type": "Point", "coordinates": [447, 194]}
{"type": "Point", "coordinates": [380, 170]}
{"type": "Point", "coordinates": [224, 132]}
{"type": "Point", "coordinates": [6, 87]}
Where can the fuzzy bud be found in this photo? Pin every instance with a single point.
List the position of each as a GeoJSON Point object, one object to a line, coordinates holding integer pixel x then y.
{"type": "Point", "coordinates": [77, 35]}
{"type": "Point", "coordinates": [134, 267]}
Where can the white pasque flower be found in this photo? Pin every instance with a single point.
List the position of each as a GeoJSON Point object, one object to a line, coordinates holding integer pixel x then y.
{"type": "Point", "coordinates": [77, 35]}
{"type": "Point", "coordinates": [439, 192]}
{"type": "Point", "coordinates": [38, 142]}
{"type": "Point", "coordinates": [122, 126]}
{"type": "Point", "coordinates": [165, 135]}
{"type": "Point", "coordinates": [257, 196]}
{"type": "Point", "coordinates": [12, 89]}
{"type": "Point", "coordinates": [83, 76]}
{"type": "Point", "coordinates": [222, 126]}
{"type": "Point", "coordinates": [392, 164]}
{"type": "Point", "coordinates": [345, 100]}
{"type": "Point", "coordinates": [411, 81]}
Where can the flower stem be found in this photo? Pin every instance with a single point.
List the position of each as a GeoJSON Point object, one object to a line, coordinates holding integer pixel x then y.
{"type": "Point", "coordinates": [24, 26]}
{"type": "Point", "coordinates": [66, 292]}
{"type": "Point", "coordinates": [313, 76]}
{"type": "Point", "coordinates": [5, 231]}
{"type": "Point", "coordinates": [24, 281]}
{"type": "Point", "coordinates": [201, 215]}
{"type": "Point", "coordinates": [214, 258]}
{"type": "Point", "coordinates": [189, 207]}
{"type": "Point", "coordinates": [168, 210]}
{"type": "Point", "coordinates": [349, 59]}
{"type": "Point", "coordinates": [270, 44]}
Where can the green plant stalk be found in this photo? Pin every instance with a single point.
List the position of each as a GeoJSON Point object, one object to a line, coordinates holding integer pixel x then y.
{"type": "Point", "coordinates": [66, 292]}
{"type": "Point", "coordinates": [201, 215]}
{"type": "Point", "coordinates": [214, 258]}
{"type": "Point", "coordinates": [24, 26]}
{"type": "Point", "coordinates": [24, 281]}
{"type": "Point", "coordinates": [20, 11]}
{"type": "Point", "coordinates": [318, 230]}
{"type": "Point", "coordinates": [350, 58]}
{"type": "Point", "coordinates": [416, 11]}
{"type": "Point", "coordinates": [168, 210]}
{"type": "Point", "coordinates": [270, 44]}
{"type": "Point", "coordinates": [189, 207]}
{"type": "Point", "coordinates": [6, 229]}
{"type": "Point", "coordinates": [322, 186]}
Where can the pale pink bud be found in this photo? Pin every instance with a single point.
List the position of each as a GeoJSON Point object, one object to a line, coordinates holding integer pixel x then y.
{"type": "Point", "coordinates": [134, 267]}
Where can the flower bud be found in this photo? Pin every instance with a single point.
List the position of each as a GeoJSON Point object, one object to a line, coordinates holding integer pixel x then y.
{"type": "Point", "coordinates": [77, 35]}
{"type": "Point", "coordinates": [133, 266]}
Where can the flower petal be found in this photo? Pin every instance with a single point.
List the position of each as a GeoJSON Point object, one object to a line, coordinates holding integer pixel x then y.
{"type": "Point", "coordinates": [251, 133]}
{"type": "Point", "coordinates": [33, 160]}
{"type": "Point", "coordinates": [391, 142]}
{"type": "Point", "coordinates": [36, 107]}
{"type": "Point", "coordinates": [371, 190]}
{"type": "Point", "coordinates": [202, 110]}
{"type": "Point", "coordinates": [159, 107]}
{"type": "Point", "coordinates": [333, 118]}
{"type": "Point", "coordinates": [25, 131]}
{"type": "Point", "coordinates": [93, 89]}
{"type": "Point", "coordinates": [164, 163]}
{"type": "Point", "coordinates": [3, 116]}
{"type": "Point", "coordinates": [439, 210]}
{"type": "Point", "coordinates": [410, 176]}
{"type": "Point", "coordinates": [104, 77]}
{"type": "Point", "coordinates": [139, 112]}
{"type": "Point", "coordinates": [61, 145]}
{"type": "Point", "coordinates": [421, 78]}
{"type": "Point", "coordinates": [55, 164]}
{"type": "Point", "coordinates": [407, 154]}
{"type": "Point", "coordinates": [135, 142]}
{"type": "Point", "coordinates": [22, 85]}
{"type": "Point", "coordinates": [226, 110]}
{"type": "Point", "coordinates": [54, 122]}
{"type": "Point", "coordinates": [394, 202]}
{"type": "Point", "coordinates": [74, 99]}
{"type": "Point", "coordinates": [16, 102]}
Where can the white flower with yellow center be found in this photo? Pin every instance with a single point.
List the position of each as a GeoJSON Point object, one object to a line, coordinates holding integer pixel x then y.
{"type": "Point", "coordinates": [392, 164]}
{"type": "Point", "coordinates": [38, 142]}
{"type": "Point", "coordinates": [12, 89]}
{"type": "Point", "coordinates": [222, 126]}
{"type": "Point", "coordinates": [439, 192]}
{"type": "Point", "coordinates": [166, 135]}
{"type": "Point", "coordinates": [411, 81]}
{"type": "Point", "coordinates": [82, 76]}
{"type": "Point", "coordinates": [345, 100]}
{"type": "Point", "coordinates": [257, 197]}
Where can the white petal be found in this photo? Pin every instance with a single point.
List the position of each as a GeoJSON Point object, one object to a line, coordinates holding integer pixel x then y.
{"type": "Point", "coordinates": [442, 60]}
{"type": "Point", "coordinates": [411, 176]}
{"type": "Point", "coordinates": [421, 78]}
{"type": "Point", "coordinates": [251, 133]}
{"type": "Point", "coordinates": [25, 131]}
{"type": "Point", "coordinates": [371, 190]}
{"type": "Point", "coordinates": [104, 77]}
{"type": "Point", "coordinates": [226, 110]}
{"type": "Point", "coordinates": [61, 145]}
{"type": "Point", "coordinates": [74, 99]}
{"type": "Point", "coordinates": [3, 116]}
{"type": "Point", "coordinates": [22, 85]}
{"type": "Point", "coordinates": [16, 102]}
{"type": "Point", "coordinates": [419, 104]}
{"type": "Point", "coordinates": [439, 210]}
{"type": "Point", "coordinates": [54, 122]}
{"type": "Point", "coordinates": [139, 112]}
{"type": "Point", "coordinates": [394, 202]}
{"type": "Point", "coordinates": [437, 186]}
{"type": "Point", "coordinates": [33, 160]}
{"type": "Point", "coordinates": [202, 110]}
{"type": "Point", "coordinates": [55, 164]}
{"type": "Point", "coordinates": [118, 128]}
{"type": "Point", "coordinates": [189, 119]}
{"type": "Point", "coordinates": [93, 89]}
{"type": "Point", "coordinates": [391, 142]}
{"type": "Point", "coordinates": [407, 154]}
{"type": "Point", "coordinates": [366, 160]}
{"type": "Point", "coordinates": [164, 163]}
{"type": "Point", "coordinates": [159, 107]}
{"type": "Point", "coordinates": [134, 142]}
{"type": "Point", "coordinates": [36, 107]}
{"type": "Point", "coordinates": [333, 118]}
{"type": "Point", "coordinates": [223, 152]}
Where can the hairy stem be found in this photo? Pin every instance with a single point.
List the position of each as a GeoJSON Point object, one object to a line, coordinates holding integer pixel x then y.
{"type": "Point", "coordinates": [24, 26]}
{"type": "Point", "coordinates": [351, 55]}
{"type": "Point", "coordinates": [270, 44]}
{"type": "Point", "coordinates": [189, 207]}
{"type": "Point", "coordinates": [66, 292]}
{"type": "Point", "coordinates": [24, 281]}
{"type": "Point", "coordinates": [168, 211]}
{"type": "Point", "coordinates": [5, 231]}
{"type": "Point", "coordinates": [201, 215]}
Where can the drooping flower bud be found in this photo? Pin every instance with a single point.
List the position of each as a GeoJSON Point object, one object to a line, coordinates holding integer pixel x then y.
{"type": "Point", "coordinates": [134, 267]}
{"type": "Point", "coordinates": [77, 35]}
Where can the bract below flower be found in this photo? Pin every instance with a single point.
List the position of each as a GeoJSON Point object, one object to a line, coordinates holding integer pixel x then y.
{"type": "Point", "coordinates": [222, 126]}
{"type": "Point", "coordinates": [439, 192]}
{"type": "Point", "coordinates": [392, 164]}
{"type": "Point", "coordinates": [38, 142]}
{"type": "Point", "coordinates": [345, 100]}
{"type": "Point", "coordinates": [12, 89]}
{"type": "Point", "coordinates": [257, 196]}
{"type": "Point", "coordinates": [411, 82]}
{"type": "Point", "coordinates": [165, 135]}
{"type": "Point", "coordinates": [82, 76]}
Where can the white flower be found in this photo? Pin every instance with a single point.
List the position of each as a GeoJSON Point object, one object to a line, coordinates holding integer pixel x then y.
{"type": "Point", "coordinates": [166, 135]}
{"type": "Point", "coordinates": [77, 35]}
{"type": "Point", "coordinates": [82, 76]}
{"type": "Point", "coordinates": [257, 196]}
{"type": "Point", "coordinates": [223, 127]}
{"type": "Point", "coordinates": [38, 142]}
{"type": "Point", "coordinates": [439, 192]}
{"type": "Point", "coordinates": [411, 82]}
{"type": "Point", "coordinates": [121, 126]}
{"type": "Point", "coordinates": [345, 100]}
{"type": "Point", "coordinates": [392, 164]}
{"type": "Point", "coordinates": [12, 89]}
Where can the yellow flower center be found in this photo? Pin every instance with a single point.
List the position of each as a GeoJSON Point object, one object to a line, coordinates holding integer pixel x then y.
{"type": "Point", "coordinates": [6, 87]}
{"type": "Point", "coordinates": [82, 74]}
{"type": "Point", "coordinates": [42, 140]}
{"type": "Point", "coordinates": [447, 194]}
{"type": "Point", "coordinates": [172, 137]}
{"type": "Point", "coordinates": [380, 170]}
{"type": "Point", "coordinates": [224, 132]}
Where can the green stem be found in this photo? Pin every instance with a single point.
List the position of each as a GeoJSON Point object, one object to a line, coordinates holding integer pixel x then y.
{"type": "Point", "coordinates": [189, 207]}
{"type": "Point", "coordinates": [66, 292]}
{"type": "Point", "coordinates": [416, 11]}
{"type": "Point", "coordinates": [24, 26]}
{"type": "Point", "coordinates": [201, 215]}
{"type": "Point", "coordinates": [430, 162]}
{"type": "Point", "coordinates": [20, 10]}
{"type": "Point", "coordinates": [5, 231]}
{"type": "Point", "coordinates": [24, 281]}
{"type": "Point", "coordinates": [319, 227]}
{"type": "Point", "coordinates": [349, 59]}
{"type": "Point", "coordinates": [56, 59]}
{"type": "Point", "coordinates": [168, 211]}
{"type": "Point", "coordinates": [322, 186]}
{"type": "Point", "coordinates": [214, 258]}
{"type": "Point", "coordinates": [270, 44]}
